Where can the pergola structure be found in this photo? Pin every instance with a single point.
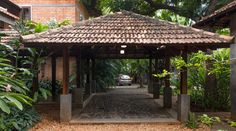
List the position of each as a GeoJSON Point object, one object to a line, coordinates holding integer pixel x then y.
{"type": "Point", "coordinates": [125, 35]}
{"type": "Point", "coordinates": [225, 17]}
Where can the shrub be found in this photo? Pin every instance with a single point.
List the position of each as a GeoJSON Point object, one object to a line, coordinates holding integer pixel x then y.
{"type": "Point", "coordinates": [192, 121]}
{"type": "Point", "coordinates": [209, 121]}
{"type": "Point", "coordinates": [19, 120]}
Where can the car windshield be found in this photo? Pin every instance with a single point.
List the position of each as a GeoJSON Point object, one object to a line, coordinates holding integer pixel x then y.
{"type": "Point", "coordinates": [125, 77]}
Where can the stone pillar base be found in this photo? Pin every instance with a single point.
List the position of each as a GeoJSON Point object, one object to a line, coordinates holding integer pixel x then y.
{"type": "Point", "coordinates": [78, 94]}
{"type": "Point", "coordinates": [183, 107]}
{"type": "Point", "coordinates": [65, 108]}
{"type": "Point", "coordinates": [156, 90]}
{"type": "Point", "coordinates": [167, 97]}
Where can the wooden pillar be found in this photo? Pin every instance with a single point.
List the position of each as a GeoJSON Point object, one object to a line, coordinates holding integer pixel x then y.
{"type": "Point", "coordinates": [183, 74]}
{"type": "Point", "coordinates": [88, 79]}
{"type": "Point", "coordinates": [167, 91]}
{"type": "Point", "coordinates": [93, 76]}
{"type": "Point", "coordinates": [35, 81]}
{"type": "Point", "coordinates": [78, 70]}
{"type": "Point", "coordinates": [65, 89]}
{"type": "Point", "coordinates": [233, 67]}
{"type": "Point", "coordinates": [150, 77]}
{"type": "Point", "coordinates": [53, 64]}
{"type": "Point", "coordinates": [210, 80]}
{"type": "Point", "coordinates": [157, 81]}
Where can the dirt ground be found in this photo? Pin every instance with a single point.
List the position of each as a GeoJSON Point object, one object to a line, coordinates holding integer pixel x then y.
{"type": "Point", "coordinates": [50, 122]}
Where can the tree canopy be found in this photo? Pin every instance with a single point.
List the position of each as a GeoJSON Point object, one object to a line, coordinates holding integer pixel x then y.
{"type": "Point", "coordinates": [192, 9]}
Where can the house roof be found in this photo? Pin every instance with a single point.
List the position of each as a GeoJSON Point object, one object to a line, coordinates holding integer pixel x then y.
{"type": "Point", "coordinates": [125, 28]}
{"type": "Point", "coordinates": [8, 14]}
{"type": "Point", "coordinates": [219, 17]}
{"type": "Point", "coordinates": [7, 35]}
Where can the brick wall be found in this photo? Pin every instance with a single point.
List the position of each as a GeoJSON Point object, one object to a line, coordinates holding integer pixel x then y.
{"type": "Point", "coordinates": [44, 10]}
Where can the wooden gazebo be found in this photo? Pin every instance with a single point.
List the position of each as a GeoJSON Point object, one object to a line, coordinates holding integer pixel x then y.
{"type": "Point", "coordinates": [125, 35]}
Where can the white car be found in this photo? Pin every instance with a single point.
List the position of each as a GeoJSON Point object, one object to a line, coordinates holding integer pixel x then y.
{"type": "Point", "coordinates": [124, 80]}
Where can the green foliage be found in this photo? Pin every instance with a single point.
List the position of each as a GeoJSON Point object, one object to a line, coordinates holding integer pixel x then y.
{"type": "Point", "coordinates": [231, 123]}
{"type": "Point", "coordinates": [209, 121]}
{"type": "Point", "coordinates": [192, 121]}
{"type": "Point", "coordinates": [163, 74]}
{"type": "Point", "coordinates": [19, 120]}
{"type": "Point", "coordinates": [12, 89]}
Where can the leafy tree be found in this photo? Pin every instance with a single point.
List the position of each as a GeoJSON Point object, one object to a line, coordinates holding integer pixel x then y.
{"type": "Point", "coordinates": [194, 9]}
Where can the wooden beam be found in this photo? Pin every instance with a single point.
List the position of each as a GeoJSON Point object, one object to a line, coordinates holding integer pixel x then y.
{"type": "Point", "coordinates": [53, 64]}
{"type": "Point", "coordinates": [65, 89]}
{"type": "Point", "coordinates": [183, 73]}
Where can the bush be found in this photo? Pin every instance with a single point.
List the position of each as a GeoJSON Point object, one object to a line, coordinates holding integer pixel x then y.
{"type": "Point", "coordinates": [192, 121]}
{"type": "Point", "coordinates": [19, 120]}
{"type": "Point", "coordinates": [209, 121]}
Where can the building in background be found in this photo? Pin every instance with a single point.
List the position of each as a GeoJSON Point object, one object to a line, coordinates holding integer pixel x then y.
{"type": "Point", "coordinates": [44, 10]}
{"type": "Point", "coordinates": [9, 13]}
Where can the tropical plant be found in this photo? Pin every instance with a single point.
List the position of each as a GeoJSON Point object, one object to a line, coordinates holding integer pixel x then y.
{"type": "Point", "coordinates": [192, 121]}
{"type": "Point", "coordinates": [231, 123]}
{"type": "Point", "coordinates": [13, 90]}
{"type": "Point", "coordinates": [209, 121]}
{"type": "Point", "coordinates": [19, 120]}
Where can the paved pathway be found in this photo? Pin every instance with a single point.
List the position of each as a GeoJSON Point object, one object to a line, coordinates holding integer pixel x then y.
{"type": "Point", "coordinates": [122, 104]}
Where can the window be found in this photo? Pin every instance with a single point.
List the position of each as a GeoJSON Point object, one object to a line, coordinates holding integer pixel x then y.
{"type": "Point", "coordinates": [26, 12]}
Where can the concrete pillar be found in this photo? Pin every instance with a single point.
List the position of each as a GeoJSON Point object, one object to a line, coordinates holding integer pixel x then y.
{"type": "Point", "coordinates": [167, 91]}
{"type": "Point", "coordinates": [65, 107]}
{"type": "Point", "coordinates": [233, 67]}
{"type": "Point", "coordinates": [183, 107]}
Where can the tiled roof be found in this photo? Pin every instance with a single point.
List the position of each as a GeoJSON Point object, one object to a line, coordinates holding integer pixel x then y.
{"type": "Point", "coordinates": [8, 35]}
{"type": "Point", "coordinates": [8, 14]}
{"type": "Point", "coordinates": [219, 13]}
{"type": "Point", "coordinates": [126, 28]}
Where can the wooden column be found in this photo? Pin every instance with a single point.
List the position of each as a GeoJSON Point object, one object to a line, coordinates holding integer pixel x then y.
{"type": "Point", "coordinates": [233, 67]}
{"type": "Point", "coordinates": [157, 81]}
{"type": "Point", "coordinates": [150, 80]}
{"type": "Point", "coordinates": [167, 68]}
{"type": "Point", "coordinates": [78, 70]}
{"type": "Point", "coordinates": [167, 91]}
{"type": "Point", "coordinates": [65, 89]}
{"type": "Point", "coordinates": [183, 74]}
{"type": "Point", "coordinates": [93, 76]}
{"type": "Point", "coordinates": [53, 64]}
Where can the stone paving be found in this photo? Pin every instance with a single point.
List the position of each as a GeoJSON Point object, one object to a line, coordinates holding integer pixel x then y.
{"type": "Point", "coordinates": [121, 104]}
